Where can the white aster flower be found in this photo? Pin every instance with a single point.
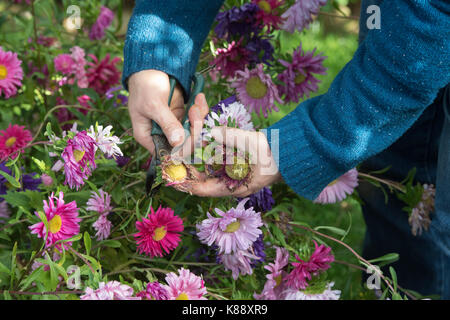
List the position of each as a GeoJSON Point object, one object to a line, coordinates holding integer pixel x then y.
{"type": "Point", "coordinates": [327, 294]}
{"type": "Point", "coordinates": [105, 140]}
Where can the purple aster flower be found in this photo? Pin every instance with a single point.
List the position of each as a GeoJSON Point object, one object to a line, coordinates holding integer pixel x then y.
{"type": "Point", "coordinates": [104, 20]}
{"type": "Point", "coordinates": [120, 99]}
{"type": "Point", "coordinates": [299, 15]}
{"type": "Point", "coordinates": [237, 229]}
{"type": "Point", "coordinates": [154, 291]}
{"type": "Point", "coordinates": [259, 251]}
{"type": "Point", "coordinates": [261, 201]}
{"type": "Point", "coordinates": [28, 181]}
{"type": "Point", "coordinates": [237, 21]}
{"type": "Point", "coordinates": [218, 108]}
{"type": "Point", "coordinates": [103, 227]}
{"type": "Point", "coordinates": [298, 76]}
{"type": "Point", "coordinates": [261, 49]}
{"type": "Point", "coordinates": [122, 161]}
{"type": "Point", "coordinates": [239, 262]}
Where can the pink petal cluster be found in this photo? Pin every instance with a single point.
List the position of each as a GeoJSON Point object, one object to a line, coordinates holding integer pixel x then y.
{"type": "Point", "coordinates": [235, 230]}
{"type": "Point", "coordinates": [339, 188]}
{"type": "Point", "coordinates": [229, 60]}
{"type": "Point", "coordinates": [299, 15]}
{"type": "Point", "coordinates": [160, 232]}
{"type": "Point", "coordinates": [112, 290]}
{"type": "Point", "coordinates": [268, 13]}
{"type": "Point", "coordinates": [104, 20]}
{"type": "Point", "coordinates": [103, 227]}
{"type": "Point", "coordinates": [102, 75]}
{"type": "Point", "coordinates": [73, 66]}
{"type": "Point", "coordinates": [275, 285]}
{"type": "Point", "coordinates": [298, 76]}
{"type": "Point", "coordinates": [11, 73]}
{"type": "Point", "coordinates": [153, 291]}
{"type": "Point", "coordinates": [185, 286]}
{"type": "Point", "coordinates": [318, 262]}
{"type": "Point", "coordinates": [13, 139]}
{"type": "Point", "coordinates": [99, 202]}
{"type": "Point", "coordinates": [62, 220]}
{"type": "Point", "coordinates": [79, 159]}
{"type": "Point", "coordinates": [256, 90]}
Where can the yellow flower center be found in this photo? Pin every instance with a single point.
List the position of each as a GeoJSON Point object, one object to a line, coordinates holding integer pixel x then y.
{"type": "Point", "coordinates": [182, 296]}
{"type": "Point", "coordinates": [55, 224]}
{"type": "Point", "coordinates": [119, 101]}
{"type": "Point", "coordinates": [159, 233]}
{"type": "Point", "coordinates": [233, 227]}
{"type": "Point", "coordinates": [332, 183]}
{"type": "Point", "coordinates": [176, 172]}
{"type": "Point", "coordinates": [10, 142]}
{"type": "Point", "coordinates": [78, 155]}
{"type": "Point", "coordinates": [278, 280]}
{"type": "Point", "coordinates": [256, 88]}
{"type": "Point", "coordinates": [299, 78]}
{"type": "Point", "coordinates": [265, 6]}
{"type": "Point", "coordinates": [3, 72]}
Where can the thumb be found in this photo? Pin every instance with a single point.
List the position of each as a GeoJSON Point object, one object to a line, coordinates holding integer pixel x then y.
{"type": "Point", "coordinates": [172, 128]}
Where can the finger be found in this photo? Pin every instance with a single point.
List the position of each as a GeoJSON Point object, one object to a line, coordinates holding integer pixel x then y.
{"type": "Point", "coordinates": [142, 129]}
{"type": "Point", "coordinates": [170, 125]}
{"type": "Point", "coordinates": [212, 187]}
{"type": "Point", "coordinates": [246, 141]}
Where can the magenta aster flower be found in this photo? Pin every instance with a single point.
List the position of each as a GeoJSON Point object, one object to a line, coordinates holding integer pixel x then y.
{"type": "Point", "coordinates": [326, 294]}
{"type": "Point", "coordinates": [231, 59]}
{"type": "Point", "coordinates": [112, 290]}
{"type": "Point", "coordinates": [318, 262]}
{"type": "Point", "coordinates": [103, 227]}
{"type": "Point", "coordinates": [79, 159]}
{"type": "Point", "coordinates": [298, 76]}
{"type": "Point", "coordinates": [64, 63]}
{"type": "Point", "coordinates": [338, 189]}
{"type": "Point", "coordinates": [102, 75]}
{"type": "Point", "coordinates": [63, 221]}
{"type": "Point", "coordinates": [185, 286]}
{"type": "Point", "coordinates": [256, 90]}
{"type": "Point", "coordinates": [160, 232]}
{"type": "Point", "coordinates": [11, 73]}
{"type": "Point", "coordinates": [154, 291]}
{"type": "Point", "coordinates": [100, 202]}
{"type": "Point", "coordinates": [299, 15]}
{"type": "Point", "coordinates": [13, 139]}
{"type": "Point", "coordinates": [239, 262]}
{"type": "Point", "coordinates": [235, 230]}
{"type": "Point", "coordinates": [269, 14]}
{"type": "Point", "coordinates": [275, 285]}
{"type": "Point", "coordinates": [104, 20]}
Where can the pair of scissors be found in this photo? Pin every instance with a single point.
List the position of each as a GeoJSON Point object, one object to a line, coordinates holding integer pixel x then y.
{"type": "Point", "coordinates": [162, 145]}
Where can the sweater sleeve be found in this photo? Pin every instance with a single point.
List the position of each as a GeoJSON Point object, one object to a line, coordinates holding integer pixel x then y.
{"type": "Point", "coordinates": [168, 36]}
{"type": "Point", "coordinates": [394, 75]}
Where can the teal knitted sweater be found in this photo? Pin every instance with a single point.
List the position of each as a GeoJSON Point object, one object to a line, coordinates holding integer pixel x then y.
{"type": "Point", "coordinates": [394, 75]}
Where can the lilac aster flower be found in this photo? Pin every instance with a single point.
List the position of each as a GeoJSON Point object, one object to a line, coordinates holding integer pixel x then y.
{"type": "Point", "coordinates": [154, 291]}
{"type": "Point", "coordinates": [79, 159]}
{"type": "Point", "coordinates": [100, 202]}
{"type": "Point", "coordinates": [103, 227]}
{"type": "Point", "coordinates": [261, 201]}
{"type": "Point", "coordinates": [326, 294]}
{"type": "Point", "coordinates": [112, 290]}
{"type": "Point", "coordinates": [104, 20]}
{"type": "Point", "coordinates": [338, 189]}
{"type": "Point", "coordinates": [239, 262]}
{"type": "Point", "coordinates": [299, 15]}
{"type": "Point", "coordinates": [298, 76]}
{"type": "Point", "coordinates": [256, 90]}
{"type": "Point", "coordinates": [237, 21]}
{"type": "Point", "coordinates": [236, 229]}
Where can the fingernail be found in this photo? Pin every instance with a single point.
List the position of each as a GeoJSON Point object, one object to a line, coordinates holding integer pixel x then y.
{"type": "Point", "coordinates": [176, 136]}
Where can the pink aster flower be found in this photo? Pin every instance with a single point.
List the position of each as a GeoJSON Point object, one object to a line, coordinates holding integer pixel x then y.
{"type": "Point", "coordinates": [269, 14]}
{"type": "Point", "coordinates": [11, 73]}
{"type": "Point", "coordinates": [100, 202]}
{"type": "Point", "coordinates": [229, 60]}
{"type": "Point", "coordinates": [160, 232]}
{"type": "Point", "coordinates": [299, 15]}
{"type": "Point", "coordinates": [63, 221]}
{"type": "Point", "coordinates": [79, 159]}
{"type": "Point", "coordinates": [318, 262]}
{"type": "Point", "coordinates": [298, 76]}
{"type": "Point", "coordinates": [256, 90]}
{"type": "Point", "coordinates": [327, 294]}
{"type": "Point", "coordinates": [235, 230]}
{"type": "Point", "coordinates": [12, 139]}
{"type": "Point", "coordinates": [102, 75]}
{"type": "Point", "coordinates": [112, 290]}
{"type": "Point", "coordinates": [185, 286]}
{"type": "Point", "coordinates": [64, 63]}
{"type": "Point", "coordinates": [338, 189]}
{"type": "Point", "coordinates": [154, 291]}
{"type": "Point", "coordinates": [275, 284]}
{"type": "Point", "coordinates": [80, 62]}
{"type": "Point", "coordinates": [103, 227]}
{"type": "Point", "coordinates": [239, 262]}
{"type": "Point", "coordinates": [46, 180]}
{"type": "Point", "coordinates": [104, 20]}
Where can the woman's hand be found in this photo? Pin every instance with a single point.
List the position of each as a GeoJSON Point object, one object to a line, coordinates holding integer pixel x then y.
{"type": "Point", "coordinates": [148, 100]}
{"type": "Point", "coordinates": [264, 171]}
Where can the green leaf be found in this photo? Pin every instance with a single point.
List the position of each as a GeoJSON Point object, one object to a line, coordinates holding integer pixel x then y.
{"type": "Point", "coordinates": [13, 264]}
{"type": "Point", "coordinates": [387, 258]}
{"type": "Point", "coordinates": [394, 277]}
{"type": "Point", "coordinates": [87, 242]}
{"type": "Point", "coordinates": [4, 269]}
{"type": "Point", "coordinates": [111, 243]}
{"type": "Point", "coordinates": [338, 231]}
{"type": "Point", "coordinates": [10, 179]}
{"type": "Point", "coordinates": [40, 164]}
